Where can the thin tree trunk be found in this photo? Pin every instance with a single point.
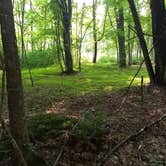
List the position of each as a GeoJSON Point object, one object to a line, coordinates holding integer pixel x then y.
{"type": "Point", "coordinates": [142, 41]}
{"type": "Point", "coordinates": [81, 37]}
{"type": "Point", "coordinates": [121, 38]}
{"type": "Point", "coordinates": [31, 28]}
{"type": "Point", "coordinates": [22, 29]}
{"type": "Point", "coordinates": [94, 31]}
{"type": "Point", "coordinates": [58, 44]}
{"type": "Point", "coordinates": [129, 47]}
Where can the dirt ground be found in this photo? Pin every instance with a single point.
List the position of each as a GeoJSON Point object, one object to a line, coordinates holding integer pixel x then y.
{"type": "Point", "coordinates": [147, 149]}
{"type": "Point", "coordinates": [123, 120]}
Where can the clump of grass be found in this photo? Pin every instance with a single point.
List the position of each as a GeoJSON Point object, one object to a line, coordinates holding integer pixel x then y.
{"type": "Point", "coordinates": [44, 126]}
{"type": "Point", "coordinates": [91, 125]}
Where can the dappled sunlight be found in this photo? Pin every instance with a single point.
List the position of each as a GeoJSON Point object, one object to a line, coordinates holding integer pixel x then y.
{"type": "Point", "coordinates": [92, 79]}
{"type": "Point", "coordinates": [108, 88]}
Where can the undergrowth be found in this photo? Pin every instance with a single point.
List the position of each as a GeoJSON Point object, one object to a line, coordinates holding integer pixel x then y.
{"type": "Point", "coordinates": [44, 126]}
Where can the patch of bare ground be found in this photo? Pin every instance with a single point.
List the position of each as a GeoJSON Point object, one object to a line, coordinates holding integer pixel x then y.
{"type": "Point", "coordinates": [146, 149]}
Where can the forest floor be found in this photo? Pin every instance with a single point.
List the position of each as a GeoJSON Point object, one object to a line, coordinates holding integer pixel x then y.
{"type": "Point", "coordinates": [146, 149]}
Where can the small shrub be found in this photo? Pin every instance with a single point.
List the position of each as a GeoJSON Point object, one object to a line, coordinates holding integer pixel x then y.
{"type": "Point", "coordinates": [108, 59]}
{"type": "Point", "coordinates": [38, 59]}
{"type": "Point", "coordinates": [43, 126]}
{"type": "Point", "coordinates": [90, 125]}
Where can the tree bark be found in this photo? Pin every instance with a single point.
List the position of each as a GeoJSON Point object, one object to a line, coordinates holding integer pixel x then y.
{"type": "Point", "coordinates": [159, 39]}
{"type": "Point", "coordinates": [121, 38]}
{"type": "Point", "coordinates": [129, 47]}
{"type": "Point", "coordinates": [94, 31]}
{"type": "Point", "coordinates": [66, 20]}
{"type": "Point", "coordinates": [14, 83]}
{"type": "Point", "coordinates": [142, 41]}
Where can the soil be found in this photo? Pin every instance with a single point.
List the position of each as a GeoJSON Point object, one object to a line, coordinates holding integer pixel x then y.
{"type": "Point", "coordinates": [122, 120]}
{"type": "Point", "coordinates": [147, 149]}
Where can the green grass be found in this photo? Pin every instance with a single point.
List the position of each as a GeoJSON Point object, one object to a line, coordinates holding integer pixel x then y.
{"type": "Point", "coordinates": [50, 86]}
{"type": "Point", "coordinates": [39, 58]}
{"type": "Point", "coordinates": [43, 126]}
{"type": "Point", "coordinates": [93, 78]}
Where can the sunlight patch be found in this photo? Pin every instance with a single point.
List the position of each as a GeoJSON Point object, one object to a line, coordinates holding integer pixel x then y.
{"type": "Point", "coordinates": [108, 88]}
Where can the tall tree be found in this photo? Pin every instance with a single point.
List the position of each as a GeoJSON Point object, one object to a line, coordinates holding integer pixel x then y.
{"type": "Point", "coordinates": [14, 83]}
{"type": "Point", "coordinates": [142, 41]}
{"type": "Point", "coordinates": [66, 6]}
{"type": "Point", "coordinates": [94, 7]}
{"type": "Point", "coordinates": [158, 12]}
{"type": "Point", "coordinates": [121, 35]}
{"type": "Point", "coordinates": [22, 28]}
{"type": "Point", "coordinates": [65, 15]}
{"type": "Point", "coordinates": [17, 119]}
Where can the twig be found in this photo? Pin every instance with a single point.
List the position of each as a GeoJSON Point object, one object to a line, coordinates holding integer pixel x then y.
{"type": "Point", "coordinates": [129, 87]}
{"type": "Point", "coordinates": [121, 106]}
{"type": "Point", "coordinates": [123, 142]}
{"type": "Point", "coordinates": [59, 155]}
{"type": "Point", "coordinates": [131, 82]}
{"type": "Point", "coordinates": [142, 92]}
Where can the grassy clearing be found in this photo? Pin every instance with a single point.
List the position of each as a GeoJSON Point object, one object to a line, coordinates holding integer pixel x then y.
{"type": "Point", "coordinates": [50, 86]}
{"type": "Point", "coordinates": [93, 78]}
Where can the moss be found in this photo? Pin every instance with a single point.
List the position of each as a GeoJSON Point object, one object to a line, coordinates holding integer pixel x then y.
{"type": "Point", "coordinates": [45, 126]}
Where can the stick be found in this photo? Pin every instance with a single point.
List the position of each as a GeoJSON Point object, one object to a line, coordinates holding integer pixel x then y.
{"type": "Point", "coordinates": [123, 142]}
{"type": "Point", "coordinates": [142, 93]}
{"type": "Point", "coordinates": [131, 82]}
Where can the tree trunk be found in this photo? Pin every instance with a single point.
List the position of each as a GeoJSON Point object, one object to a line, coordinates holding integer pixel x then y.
{"type": "Point", "coordinates": [22, 29]}
{"type": "Point", "coordinates": [142, 41]}
{"type": "Point", "coordinates": [159, 39]}
{"type": "Point", "coordinates": [31, 28]}
{"type": "Point", "coordinates": [14, 83]}
{"type": "Point", "coordinates": [94, 31]}
{"type": "Point", "coordinates": [121, 38]}
{"type": "Point", "coordinates": [129, 47]}
{"type": "Point", "coordinates": [66, 18]}
{"type": "Point", "coordinates": [81, 37]}
{"type": "Point", "coordinates": [17, 120]}
{"type": "Point", "coordinates": [58, 44]}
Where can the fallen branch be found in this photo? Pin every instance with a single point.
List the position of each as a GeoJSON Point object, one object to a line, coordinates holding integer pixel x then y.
{"type": "Point", "coordinates": [123, 142]}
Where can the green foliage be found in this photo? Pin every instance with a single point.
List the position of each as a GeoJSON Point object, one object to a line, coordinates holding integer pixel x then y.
{"type": "Point", "coordinates": [39, 58]}
{"type": "Point", "coordinates": [43, 126]}
{"type": "Point", "coordinates": [94, 78]}
{"type": "Point", "coordinates": [108, 59]}
{"type": "Point", "coordinates": [137, 61]}
{"type": "Point", "coordinates": [91, 125]}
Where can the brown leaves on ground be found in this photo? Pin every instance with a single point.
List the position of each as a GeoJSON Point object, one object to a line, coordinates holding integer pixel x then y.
{"type": "Point", "coordinates": [147, 149]}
